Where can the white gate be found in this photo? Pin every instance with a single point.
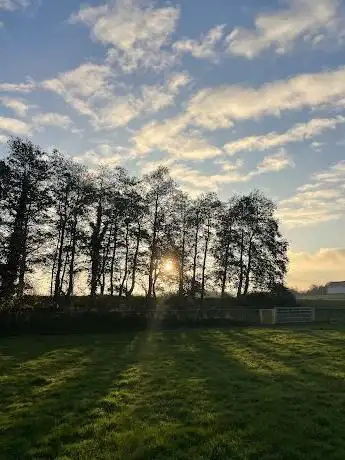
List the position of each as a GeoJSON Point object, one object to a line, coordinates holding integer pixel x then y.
{"type": "Point", "coordinates": [294, 315]}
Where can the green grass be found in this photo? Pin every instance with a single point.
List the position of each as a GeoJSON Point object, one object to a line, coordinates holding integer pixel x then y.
{"type": "Point", "coordinates": [323, 301]}
{"type": "Point", "coordinates": [206, 394]}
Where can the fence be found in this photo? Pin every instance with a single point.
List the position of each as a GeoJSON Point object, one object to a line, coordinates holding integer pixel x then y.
{"type": "Point", "coordinates": [287, 315]}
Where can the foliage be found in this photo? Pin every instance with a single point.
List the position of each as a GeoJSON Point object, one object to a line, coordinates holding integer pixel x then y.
{"type": "Point", "coordinates": [207, 394]}
{"type": "Point", "coordinates": [116, 234]}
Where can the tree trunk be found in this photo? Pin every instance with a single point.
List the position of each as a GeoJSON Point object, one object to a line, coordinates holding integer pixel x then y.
{"type": "Point", "coordinates": [15, 247]}
{"type": "Point", "coordinates": [248, 271]}
{"type": "Point", "coordinates": [70, 288]}
{"type": "Point", "coordinates": [196, 239]}
{"type": "Point", "coordinates": [112, 263]}
{"type": "Point", "coordinates": [22, 265]}
{"type": "Point", "coordinates": [240, 281]}
{"type": "Point", "coordinates": [182, 261]}
{"type": "Point", "coordinates": [225, 267]}
{"type": "Point", "coordinates": [57, 286]}
{"type": "Point", "coordinates": [126, 262]}
{"type": "Point", "coordinates": [153, 249]}
{"type": "Point", "coordinates": [207, 239]}
{"type": "Point", "coordinates": [104, 261]}
{"type": "Point", "coordinates": [135, 261]}
{"type": "Point", "coordinates": [96, 243]}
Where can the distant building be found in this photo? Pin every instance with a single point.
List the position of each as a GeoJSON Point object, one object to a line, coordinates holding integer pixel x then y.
{"type": "Point", "coordinates": [336, 287]}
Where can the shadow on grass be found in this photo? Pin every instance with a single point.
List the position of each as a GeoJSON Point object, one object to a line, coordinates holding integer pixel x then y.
{"type": "Point", "coordinates": [48, 401]}
{"type": "Point", "coordinates": [202, 394]}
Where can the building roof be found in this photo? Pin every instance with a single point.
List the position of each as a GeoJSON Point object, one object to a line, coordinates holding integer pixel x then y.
{"type": "Point", "coordinates": [336, 284]}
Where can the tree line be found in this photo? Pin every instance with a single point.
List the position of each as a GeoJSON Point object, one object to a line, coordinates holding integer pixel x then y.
{"type": "Point", "coordinates": [128, 234]}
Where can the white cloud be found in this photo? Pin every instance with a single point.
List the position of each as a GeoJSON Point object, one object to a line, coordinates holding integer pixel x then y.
{"type": "Point", "coordinates": [297, 133]}
{"type": "Point", "coordinates": [13, 126]}
{"type": "Point", "coordinates": [310, 20]}
{"type": "Point", "coordinates": [219, 107]}
{"type": "Point", "coordinates": [18, 106]}
{"type": "Point", "coordinates": [11, 5]}
{"type": "Point", "coordinates": [195, 182]}
{"type": "Point", "coordinates": [169, 138]}
{"type": "Point", "coordinates": [205, 48]}
{"type": "Point", "coordinates": [52, 119]}
{"type": "Point", "coordinates": [17, 87]}
{"type": "Point", "coordinates": [274, 163]}
{"type": "Point", "coordinates": [91, 90]}
{"type": "Point", "coordinates": [149, 99]}
{"type": "Point", "coordinates": [3, 139]}
{"type": "Point", "coordinates": [321, 200]}
{"type": "Point", "coordinates": [103, 155]}
{"type": "Point", "coordinates": [320, 267]}
{"type": "Point", "coordinates": [136, 34]}
{"type": "Point", "coordinates": [80, 86]}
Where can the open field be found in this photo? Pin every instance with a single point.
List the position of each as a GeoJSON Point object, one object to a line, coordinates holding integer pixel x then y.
{"type": "Point", "coordinates": [204, 394]}
{"type": "Point", "coordinates": [323, 301]}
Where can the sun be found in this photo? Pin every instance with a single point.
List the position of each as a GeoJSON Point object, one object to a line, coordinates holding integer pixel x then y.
{"type": "Point", "coordinates": [168, 266]}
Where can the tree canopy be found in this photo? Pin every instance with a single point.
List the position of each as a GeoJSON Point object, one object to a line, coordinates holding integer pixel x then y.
{"type": "Point", "coordinates": [129, 234]}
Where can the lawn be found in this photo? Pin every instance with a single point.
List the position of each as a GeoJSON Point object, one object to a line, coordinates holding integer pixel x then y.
{"type": "Point", "coordinates": [205, 394]}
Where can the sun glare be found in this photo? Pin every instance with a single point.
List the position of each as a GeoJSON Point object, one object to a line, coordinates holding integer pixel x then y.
{"type": "Point", "coordinates": [168, 266]}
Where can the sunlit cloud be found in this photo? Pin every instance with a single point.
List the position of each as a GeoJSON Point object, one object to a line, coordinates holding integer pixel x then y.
{"type": "Point", "coordinates": [14, 126]}
{"type": "Point", "coordinates": [298, 133]}
{"type": "Point", "coordinates": [136, 35]}
{"type": "Point", "coordinates": [19, 107]}
{"type": "Point", "coordinates": [52, 119]}
{"type": "Point", "coordinates": [321, 200]}
{"type": "Point", "coordinates": [308, 20]}
{"type": "Point", "coordinates": [205, 48]}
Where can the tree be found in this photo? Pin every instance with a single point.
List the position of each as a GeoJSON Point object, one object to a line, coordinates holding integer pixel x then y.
{"type": "Point", "coordinates": [226, 240]}
{"type": "Point", "coordinates": [262, 250]}
{"type": "Point", "coordinates": [24, 205]}
{"type": "Point", "coordinates": [160, 189]}
{"type": "Point", "coordinates": [71, 193]}
{"type": "Point", "coordinates": [123, 232]}
{"type": "Point", "coordinates": [209, 204]}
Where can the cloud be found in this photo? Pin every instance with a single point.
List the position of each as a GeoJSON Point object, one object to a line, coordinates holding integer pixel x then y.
{"type": "Point", "coordinates": [103, 155]}
{"type": "Point", "coordinates": [91, 90]}
{"type": "Point", "coordinates": [320, 267]}
{"type": "Point", "coordinates": [297, 133]}
{"type": "Point", "coordinates": [275, 163]}
{"type": "Point", "coordinates": [11, 5]}
{"type": "Point", "coordinates": [205, 48]}
{"type": "Point", "coordinates": [81, 86]}
{"type": "Point", "coordinates": [136, 34]}
{"type": "Point", "coordinates": [18, 106]}
{"type": "Point", "coordinates": [52, 119]}
{"type": "Point", "coordinates": [17, 87]}
{"type": "Point", "coordinates": [196, 182]}
{"type": "Point", "coordinates": [310, 20]}
{"type": "Point", "coordinates": [13, 126]}
{"type": "Point", "coordinates": [219, 107]}
{"type": "Point", "coordinates": [168, 137]}
{"type": "Point", "coordinates": [3, 139]}
{"type": "Point", "coordinates": [149, 99]}
{"type": "Point", "coordinates": [321, 200]}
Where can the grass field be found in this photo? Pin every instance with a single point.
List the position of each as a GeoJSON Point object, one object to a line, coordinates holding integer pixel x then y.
{"type": "Point", "coordinates": [206, 394]}
{"type": "Point", "coordinates": [323, 301]}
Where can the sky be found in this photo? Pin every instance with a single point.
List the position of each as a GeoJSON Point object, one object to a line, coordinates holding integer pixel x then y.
{"type": "Point", "coordinates": [232, 96]}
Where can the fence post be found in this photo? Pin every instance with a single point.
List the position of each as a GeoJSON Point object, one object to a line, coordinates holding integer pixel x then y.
{"type": "Point", "coordinates": [313, 314]}
{"type": "Point", "coordinates": [274, 316]}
